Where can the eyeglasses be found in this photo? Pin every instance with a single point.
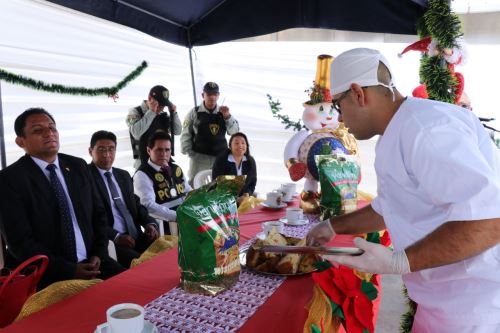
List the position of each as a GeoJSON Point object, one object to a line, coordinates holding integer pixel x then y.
{"type": "Point", "coordinates": [465, 105]}
{"type": "Point", "coordinates": [103, 150]}
{"type": "Point", "coordinates": [336, 102]}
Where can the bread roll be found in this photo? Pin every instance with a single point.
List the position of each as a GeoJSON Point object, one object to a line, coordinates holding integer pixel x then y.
{"type": "Point", "coordinates": [289, 264]}
{"type": "Point", "coordinates": [307, 263]}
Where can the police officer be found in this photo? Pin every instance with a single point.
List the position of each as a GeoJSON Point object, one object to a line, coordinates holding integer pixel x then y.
{"type": "Point", "coordinates": [204, 131]}
{"type": "Point", "coordinates": [159, 183]}
{"type": "Point", "coordinates": [147, 118]}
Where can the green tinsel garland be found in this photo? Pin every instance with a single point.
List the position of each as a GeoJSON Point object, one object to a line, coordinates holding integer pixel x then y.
{"type": "Point", "coordinates": [439, 80]}
{"type": "Point", "coordinates": [61, 89]}
{"type": "Point", "coordinates": [444, 27]}
{"type": "Point", "coordinates": [276, 109]}
{"type": "Point", "coordinates": [407, 318]}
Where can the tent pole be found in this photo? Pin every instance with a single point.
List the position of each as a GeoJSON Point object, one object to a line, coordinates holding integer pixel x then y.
{"type": "Point", "coordinates": [192, 75]}
{"type": "Point", "coordinates": [3, 160]}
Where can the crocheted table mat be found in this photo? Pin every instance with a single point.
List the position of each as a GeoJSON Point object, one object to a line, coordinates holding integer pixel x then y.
{"type": "Point", "coordinates": [300, 231]}
{"type": "Point", "coordinates": [179, 311]}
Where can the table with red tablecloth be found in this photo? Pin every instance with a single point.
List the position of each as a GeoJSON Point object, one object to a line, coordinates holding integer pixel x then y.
{"type": "Point", "coordinates": [284, 311]}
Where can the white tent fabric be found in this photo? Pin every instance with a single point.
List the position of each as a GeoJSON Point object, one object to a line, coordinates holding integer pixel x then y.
{"type": "Point", "coordinates": [57, 45]}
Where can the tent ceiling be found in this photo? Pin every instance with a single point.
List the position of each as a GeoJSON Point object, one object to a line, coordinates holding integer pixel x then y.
{"type": "Point", "coordinates": [195, 23]}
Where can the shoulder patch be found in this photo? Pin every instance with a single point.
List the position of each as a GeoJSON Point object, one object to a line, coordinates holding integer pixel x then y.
{"type": "Point", "coordinates": [132, 119]}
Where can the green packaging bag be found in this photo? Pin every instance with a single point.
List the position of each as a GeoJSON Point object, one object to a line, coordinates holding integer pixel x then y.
{"type": "Point", "coordinates": [339, 176]}
{"type": "Point", "coordinates": [208, 237]}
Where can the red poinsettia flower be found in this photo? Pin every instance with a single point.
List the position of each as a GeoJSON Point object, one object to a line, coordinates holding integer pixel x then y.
{"type": "Point", "coordinates": [385, 239]}
{"type": "Point", "coordinates": [346, 290]}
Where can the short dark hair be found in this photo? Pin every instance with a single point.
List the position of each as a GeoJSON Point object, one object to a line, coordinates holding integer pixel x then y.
{"type": "Point", "coordinates": [158, 135]}
{"type": "Point", "coordinates": [20, 121]}
{"type": "Point", "coordinates": [241, 135]}
{"type": "Point", "coordinates": [102, 135]}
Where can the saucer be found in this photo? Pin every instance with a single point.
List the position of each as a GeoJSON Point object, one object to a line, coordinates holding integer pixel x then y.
{"type": "Point", "coordinates": [149, 327]}
{"type": "Point", "coordinates": [283, 205]}
{"type": "Point", "coordinates": [300, 222]}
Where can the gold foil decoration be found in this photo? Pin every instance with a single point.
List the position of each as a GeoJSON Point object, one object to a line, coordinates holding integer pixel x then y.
{"type": "Point", "coordinates": [309, 202]}
{"type": "Point", "coordinates": [54, 293]}
{"type": "Point", "coordinates": [162, 244]}
{"type": "Point", "coordinates": [236, 183]}
{"type": "Point", "coordinates": [323, 63]}
{"type": "Point", "coordinates": [320, 312]}
{"type": "Point", "coordinates": [347, 139]}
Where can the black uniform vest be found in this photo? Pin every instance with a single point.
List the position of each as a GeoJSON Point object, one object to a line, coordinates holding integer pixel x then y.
{"type": "Point", "coordinates": [162, 185]}
{"type": "Point", "coordinates": [211, 136]}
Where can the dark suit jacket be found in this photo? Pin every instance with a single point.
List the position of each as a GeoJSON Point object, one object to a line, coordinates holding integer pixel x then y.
{"type": "Point", "coordinates": [139, 212]}
{"type": "Point", "coordinates": [222, 166]}
{"type": "Point", "coordinates": [30, 219]}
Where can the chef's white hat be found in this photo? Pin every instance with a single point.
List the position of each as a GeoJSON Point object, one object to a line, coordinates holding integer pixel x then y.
{"type": "Point", "coordinates": [357, 66]}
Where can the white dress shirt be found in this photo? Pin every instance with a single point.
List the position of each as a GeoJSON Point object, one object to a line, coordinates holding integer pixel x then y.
{"type": "Point", "coordinates": [239, 168]}
{"type": "Point", "coordinates": [119, 223]}
{"type": "Point", "coordinates": [81, 250]}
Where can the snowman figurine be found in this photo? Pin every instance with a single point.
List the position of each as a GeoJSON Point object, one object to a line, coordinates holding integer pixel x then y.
{"type": "Point", "coordinates": [324, 136]}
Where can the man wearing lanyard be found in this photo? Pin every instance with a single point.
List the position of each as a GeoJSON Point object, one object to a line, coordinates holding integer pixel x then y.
{"type": "Point", "coordinates": [160, 184]}
{"type": "Point", "coordinates": [438, 179]}
{"type": "Point", "coordinates": [49, 205]}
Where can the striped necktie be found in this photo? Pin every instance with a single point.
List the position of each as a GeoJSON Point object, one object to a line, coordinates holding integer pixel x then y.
{"type": "Point", "coordinates": [120, 205]}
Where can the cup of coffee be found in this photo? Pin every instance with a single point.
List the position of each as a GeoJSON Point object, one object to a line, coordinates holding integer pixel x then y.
{"type": "Point", "coordinates": [270, 225]}
{"type": "Point", "coordinates": [274, 198]}
{"type": "Point", "coordinates": [125, 318]}
{"type": "Point", "coordinates": [288, 191]}
{"type": "Point", "coordinates": [294, 215]}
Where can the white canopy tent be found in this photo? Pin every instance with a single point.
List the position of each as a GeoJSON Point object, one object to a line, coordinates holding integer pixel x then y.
{"type": "Point", "coordinates": [58, 45]}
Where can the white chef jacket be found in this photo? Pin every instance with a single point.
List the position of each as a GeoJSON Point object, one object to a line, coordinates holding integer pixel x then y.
{"type": "Point", "coordinates": [435, 163]}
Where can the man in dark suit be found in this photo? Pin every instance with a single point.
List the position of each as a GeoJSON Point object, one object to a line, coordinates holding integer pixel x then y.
{"type": "Point", "coordinates": [125, 215]}
{"type": "Point", "coordinates": [49, 205]}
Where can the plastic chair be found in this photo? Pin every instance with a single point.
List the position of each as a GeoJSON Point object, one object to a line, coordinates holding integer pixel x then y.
{"type": "Point", "coordinates": [172, 226]}
{"type": "Point", "coordinates": [202, 178]}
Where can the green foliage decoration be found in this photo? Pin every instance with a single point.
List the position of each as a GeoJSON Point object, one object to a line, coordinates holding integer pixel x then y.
{"type": "Point", "coordinates": [276, 111]}
{"type": "Point", "coordinates": [62, 89]}
{"type": "Point", "coordinates": [444, 27]}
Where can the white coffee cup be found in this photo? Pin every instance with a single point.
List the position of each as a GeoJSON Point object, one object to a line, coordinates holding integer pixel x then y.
{"type": "Point", "coordinates": [125, 318]}
{"type": "Point", "coordinates": [269, 225]}
{"type": "Point", "coordinates": [274, 198]}
{"type": "Point", "coordinates": [294, 215]}
{"type": "Point", "coordinates": [288, 191]}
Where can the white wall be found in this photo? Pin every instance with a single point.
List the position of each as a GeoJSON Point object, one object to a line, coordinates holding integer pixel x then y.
{"type": "Point", "coordinates": [45, 42]}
